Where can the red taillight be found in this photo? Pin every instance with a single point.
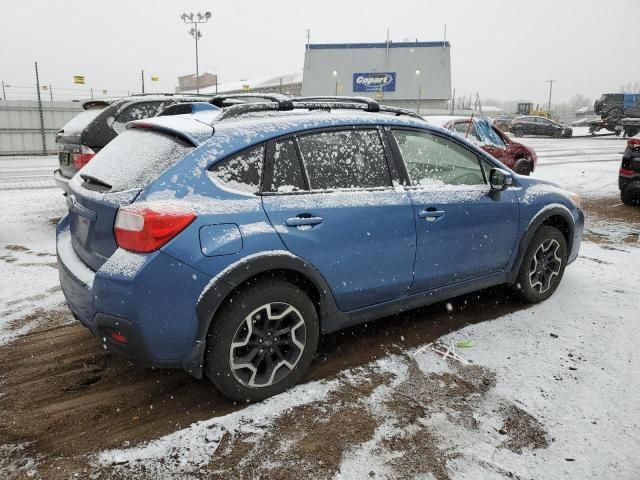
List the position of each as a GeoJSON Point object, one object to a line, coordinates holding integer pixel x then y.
{"type": "Point", "coordinates": [146, 227]}
{"type": "Point", "coordinates": [118, 337]}
{"type": "Point", "coordinates": [626, 172]}
{"type": "Point", "coordinates": [80, 159]}
{"type": "Point", "coordinates": [633, 142]}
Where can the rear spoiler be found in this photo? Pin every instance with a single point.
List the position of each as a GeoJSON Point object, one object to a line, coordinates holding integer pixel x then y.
{"type": "Point", "coordinates": [183, 128]}
{"type": "Point", "coordinates": [95, 103]}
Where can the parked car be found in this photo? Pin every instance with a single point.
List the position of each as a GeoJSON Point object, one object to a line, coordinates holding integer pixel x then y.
{"type": "Point", "coordinates": [502, 122]}
{"type": "Point", "coordinates": [483, 133]}
{"type": "Point", "coordinates": [100, 122]}
{"type": "Point", "coordinates": [227, 251]}
{"type": "Point", "coordinates": [535, 125]}
{"type": "Point", "coordinates": [629, 176]}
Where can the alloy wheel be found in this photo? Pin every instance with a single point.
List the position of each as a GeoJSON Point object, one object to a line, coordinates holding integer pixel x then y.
{"type": "Point", "coordinates": [545, 266]}
{"type": "Point", "coordinates": [267, 345]}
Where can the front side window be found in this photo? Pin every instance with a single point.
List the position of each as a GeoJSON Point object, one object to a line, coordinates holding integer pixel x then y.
{"type": "Point", "coordinates": [241, 172]}
{"type": "Point", "coordinates": [433, 160]}
{"type": "Point", "coordinates": [344, 159]}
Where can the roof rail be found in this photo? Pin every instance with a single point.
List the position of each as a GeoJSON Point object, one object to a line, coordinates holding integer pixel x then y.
{"type": "Point", "coordinates": [283, 103]}
{"type": "Point", "coordinates": [172, 94]}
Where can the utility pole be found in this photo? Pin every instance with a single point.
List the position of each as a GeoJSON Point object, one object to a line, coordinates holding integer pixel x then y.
{"type": "Point", "coordinates": [44, 141]}
{"type": "Point", "coordinates": [195, 33]}
{"type": "Point", "coordinates": [50, 92]}
{"type": "Point", "coordinates": [142, 79]}
{"type": "Point", "coordinates": [550, 82]}
{"type": "Point", "coordinates": [4, 95]}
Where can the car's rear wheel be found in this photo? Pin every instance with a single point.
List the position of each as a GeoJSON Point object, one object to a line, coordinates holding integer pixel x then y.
{"type": "Point", "coordinates": [630, 194]}
{"type": "Point", "coordinates": [543, 265]}
{"type": "Point", "coordinates": [262, 340]}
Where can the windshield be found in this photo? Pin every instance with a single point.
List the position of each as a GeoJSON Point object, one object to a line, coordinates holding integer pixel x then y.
{"type": "Point", "coordinates": [135, 158]}
{"type": "Point", "coordinates": [488, 135]}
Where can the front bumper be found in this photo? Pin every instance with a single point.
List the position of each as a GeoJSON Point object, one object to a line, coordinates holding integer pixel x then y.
{"type": "Point", "coordinates": [61, 180]}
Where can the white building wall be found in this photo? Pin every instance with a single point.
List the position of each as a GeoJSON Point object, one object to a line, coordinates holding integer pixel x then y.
{"type": "Point", "coordinates": [431, 59]}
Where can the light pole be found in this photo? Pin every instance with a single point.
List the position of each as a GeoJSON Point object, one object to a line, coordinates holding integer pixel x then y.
{"type": "Point", "coordinates": [195, 20]}
{"type": "Point", "coordinates": [550, 82]}
{"type": "Point", "coordinates": [335, 79]}
{"type": "Point", "coordinates": [419, 91]}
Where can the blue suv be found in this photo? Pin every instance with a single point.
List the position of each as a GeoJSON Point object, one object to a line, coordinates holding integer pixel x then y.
{"type": "Point", "coordinates": [225, 242]}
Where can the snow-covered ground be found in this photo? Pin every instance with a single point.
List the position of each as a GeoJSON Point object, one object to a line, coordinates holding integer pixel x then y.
{"type": "Point", "coordinates": [30, 209]}
{"type": "Point", "coordinates": [550, 391]}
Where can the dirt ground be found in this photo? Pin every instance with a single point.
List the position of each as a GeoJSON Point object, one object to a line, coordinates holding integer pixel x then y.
{"type": "Point", "coordinates": [66, 397]}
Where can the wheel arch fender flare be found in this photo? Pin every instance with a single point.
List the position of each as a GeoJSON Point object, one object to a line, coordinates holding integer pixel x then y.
{"type": "Point", "coordinates": [246, 268]}
{"type": "Point", "coordinates": [548, 215]}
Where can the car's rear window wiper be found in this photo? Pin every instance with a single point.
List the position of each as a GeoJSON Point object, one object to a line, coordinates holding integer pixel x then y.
{"type": "Point", "coordinates": [93, 183]}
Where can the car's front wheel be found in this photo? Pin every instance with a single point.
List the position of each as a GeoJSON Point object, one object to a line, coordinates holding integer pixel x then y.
{"type": "Point", "coordinates": [522, 166]}
{"type": "Point", "coordinates": [262, 340]}
{"type": "Point", "coordinates": [543, 265]}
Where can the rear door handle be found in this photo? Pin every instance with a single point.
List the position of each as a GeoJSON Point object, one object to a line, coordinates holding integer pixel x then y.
{"type": "Point", "coordinates": [431, 214]}
{"type": "Point", "coordinates": [303, 221]}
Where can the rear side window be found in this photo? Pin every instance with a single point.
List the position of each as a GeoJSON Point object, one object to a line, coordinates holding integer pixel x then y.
{"type": "Point", "coordinates": [137, 111]}
{"type": "Point", "coordinates": [344, 159]}
{"type": "Point", "coordinates": [287, 172]}
{"type": "Point", "coordinates": [241, 172]}
{"type": "Point", "coordinates": [134, 159]}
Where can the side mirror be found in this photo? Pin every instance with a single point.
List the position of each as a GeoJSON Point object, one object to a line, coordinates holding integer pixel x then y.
{"type": "Point", "coordinates": [499, 179]}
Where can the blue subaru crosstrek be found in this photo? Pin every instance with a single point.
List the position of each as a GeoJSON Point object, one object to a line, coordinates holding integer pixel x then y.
{"type": "Point", "coordinates": [225, 242]}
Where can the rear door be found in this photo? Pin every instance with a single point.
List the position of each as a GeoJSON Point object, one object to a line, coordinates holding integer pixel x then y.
{"type": "Point", "coordinates": [112, 179]}
{"type": "Point", "coordinates": [330, 196]}
{"type": "Point", "coordinates": [463, 231]}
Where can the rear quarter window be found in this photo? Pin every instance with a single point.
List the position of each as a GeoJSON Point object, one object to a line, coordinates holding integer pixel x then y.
{"type": "Point", "coordinates": [241, 172]}
{"type": "Point", "coordinates": [135, 158]}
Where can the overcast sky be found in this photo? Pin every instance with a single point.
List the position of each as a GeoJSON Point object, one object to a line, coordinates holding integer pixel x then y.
{"type": "Point", "coordinates": [501, 49]}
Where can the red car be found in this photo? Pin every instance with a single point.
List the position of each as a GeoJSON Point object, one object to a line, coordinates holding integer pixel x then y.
{"type": "Point", "coordinates": [516, 156]}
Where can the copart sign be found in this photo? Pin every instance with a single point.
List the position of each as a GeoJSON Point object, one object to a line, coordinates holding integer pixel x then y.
{"type": "Point", "coordinates": [374, 82]}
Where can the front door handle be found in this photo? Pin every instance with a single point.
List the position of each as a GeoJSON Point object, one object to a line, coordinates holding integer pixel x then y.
{"type": "Point", "coordinates": [431, 214]}
{"type": "Point", "coordinates": [303, 221]}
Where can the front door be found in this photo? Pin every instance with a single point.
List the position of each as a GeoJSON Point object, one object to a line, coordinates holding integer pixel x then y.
{"type": "Point", "coordinates": [463, 231]}
{"type": "Point", "coordinates": [336, 208]}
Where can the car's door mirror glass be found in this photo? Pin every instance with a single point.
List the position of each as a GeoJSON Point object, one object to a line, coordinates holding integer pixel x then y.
{"type": "Point", "coordinates": [500, 179]}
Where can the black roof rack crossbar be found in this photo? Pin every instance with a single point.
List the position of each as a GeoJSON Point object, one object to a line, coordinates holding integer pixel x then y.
{"type": "Point", "coordinates": [372, 105]}
{"type": "Point", "coordinates": [219, 100]}
{"type": "Point", "coordinates": [282, 103]}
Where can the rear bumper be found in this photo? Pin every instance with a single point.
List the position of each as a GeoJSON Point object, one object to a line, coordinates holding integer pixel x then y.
{"type": "Point", "coordinates": [154, 308]}
{"type": "Point", "coordinates": [61, 180]}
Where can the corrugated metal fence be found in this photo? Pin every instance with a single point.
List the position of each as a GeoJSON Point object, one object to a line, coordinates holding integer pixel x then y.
{"type": "Point", "coordinates": [20, 129]}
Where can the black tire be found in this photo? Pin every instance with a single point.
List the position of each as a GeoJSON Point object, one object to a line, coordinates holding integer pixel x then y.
{"type": "Point", "coordinates": [530, 285]}
{"type": "Point", "coordinates": [630, 194]}
{"type": "Point", "coordinates": [517, 132]}
{"type": "Point", "coordinates": [232, 323]}
{"type": "Point", "coordinates": [522, 166]}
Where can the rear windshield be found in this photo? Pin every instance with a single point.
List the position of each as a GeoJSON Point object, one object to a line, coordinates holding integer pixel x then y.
{"type": "Point", "coordinates": [134, 158]}
{"type": "Point", "coordinates": [78, 123]}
